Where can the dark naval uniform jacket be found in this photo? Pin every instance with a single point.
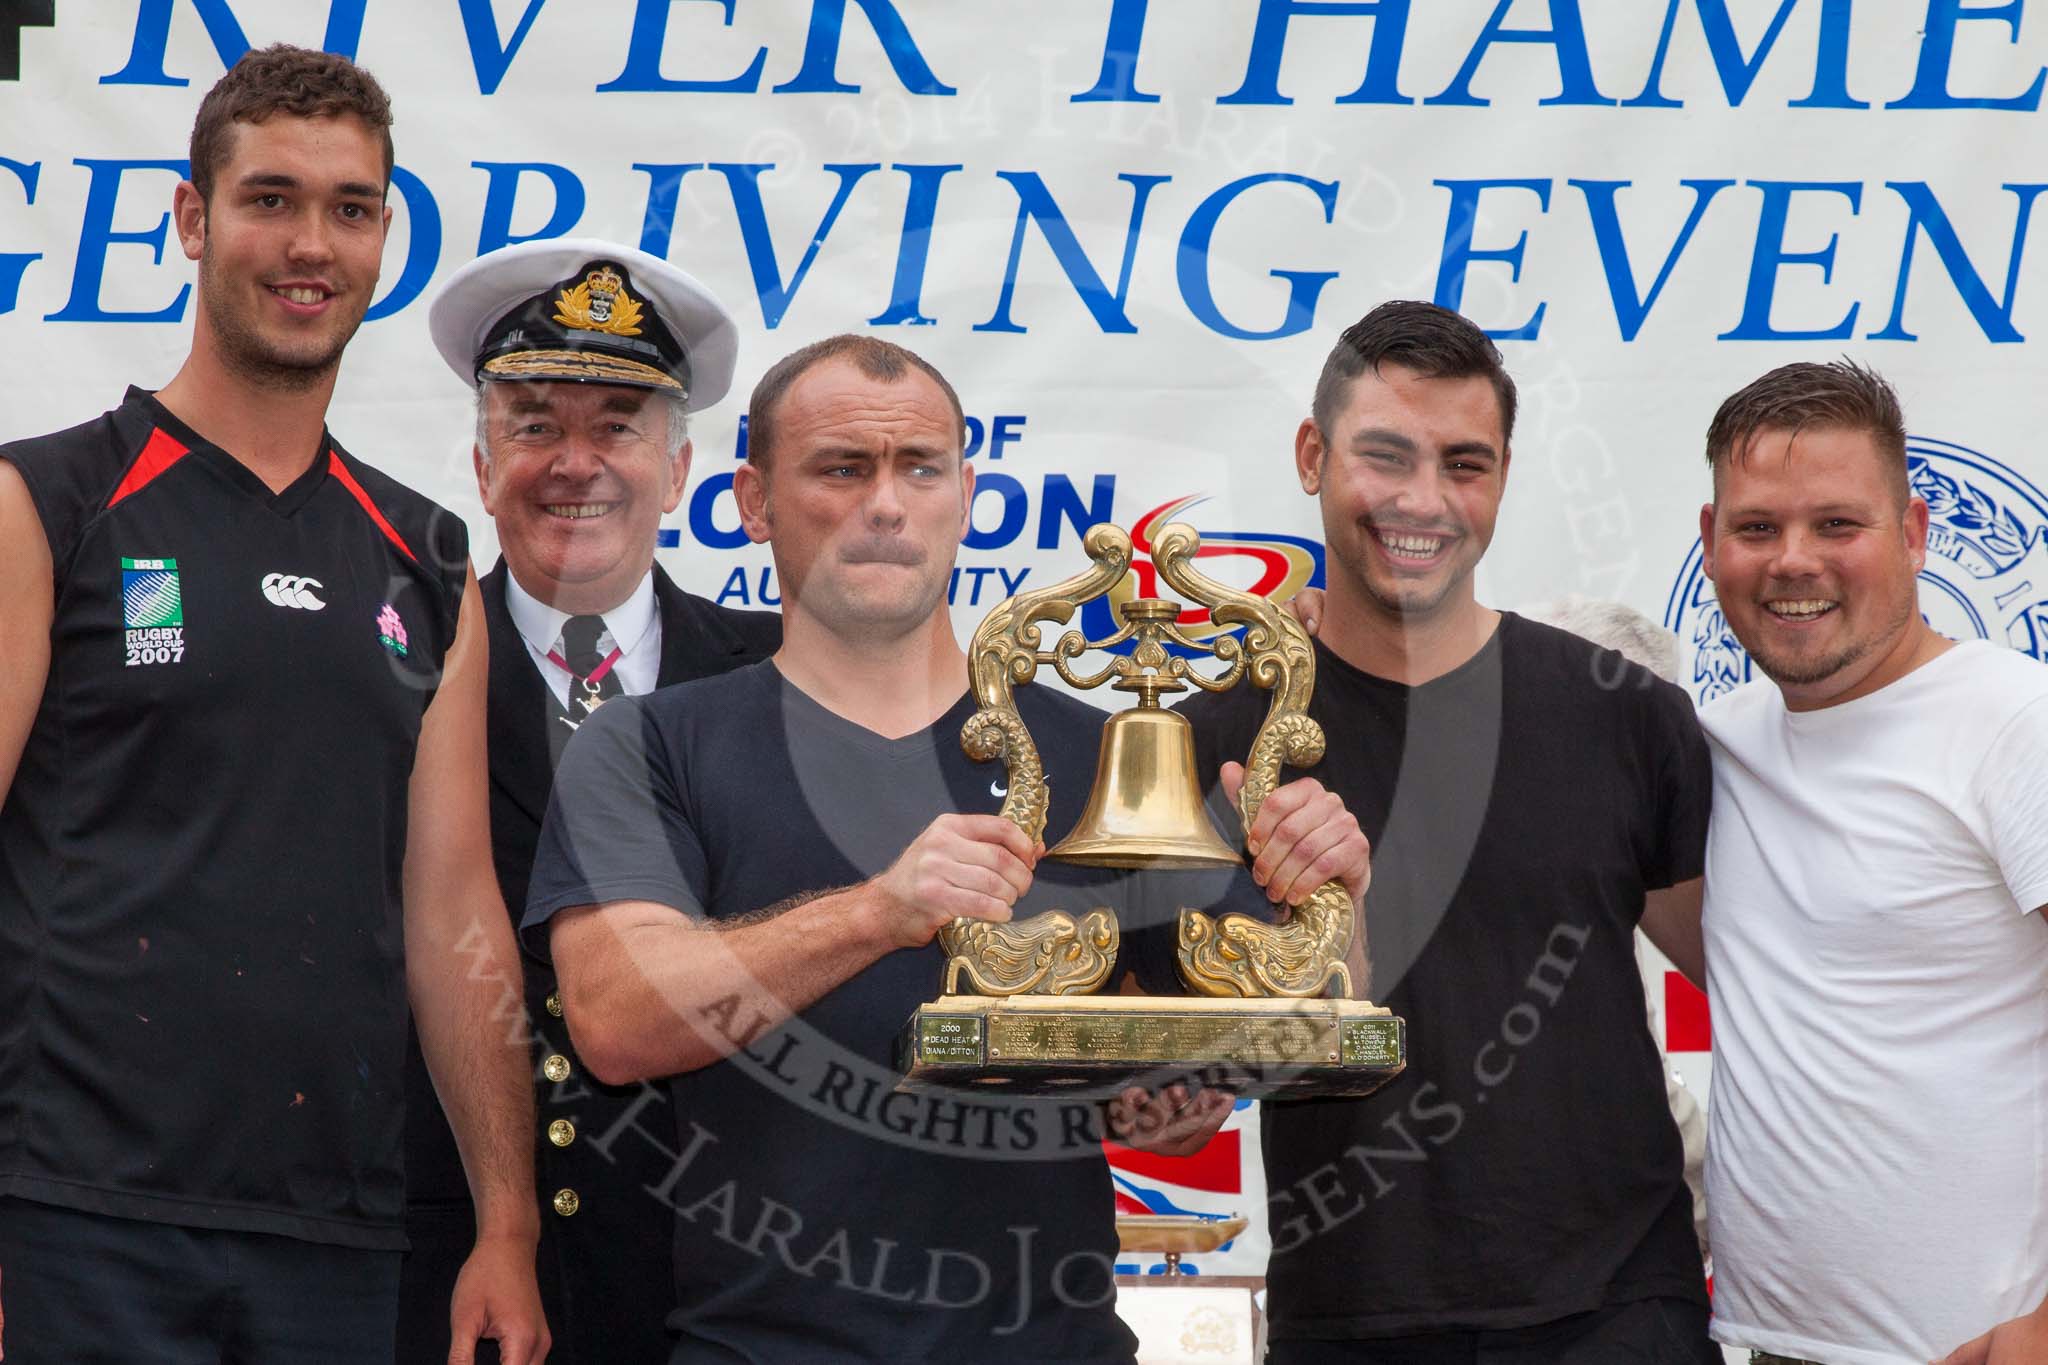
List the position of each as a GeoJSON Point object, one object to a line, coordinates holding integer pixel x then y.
{"type": "Point", "coordinates": [606, 1264]}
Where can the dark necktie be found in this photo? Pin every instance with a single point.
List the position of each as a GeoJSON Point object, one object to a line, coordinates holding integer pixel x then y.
{"type": "Point", "coordinates": [579, 652]}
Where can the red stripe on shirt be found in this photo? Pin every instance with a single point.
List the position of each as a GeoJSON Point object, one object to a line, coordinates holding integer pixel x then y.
{"type": "Point", "coordinates": [160, 453]}
{"type": "Point", "coordinates": [348, 481]}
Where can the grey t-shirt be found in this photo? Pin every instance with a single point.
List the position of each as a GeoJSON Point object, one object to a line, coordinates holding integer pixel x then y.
{"type": "Point", "coordinates": [822, 1215]}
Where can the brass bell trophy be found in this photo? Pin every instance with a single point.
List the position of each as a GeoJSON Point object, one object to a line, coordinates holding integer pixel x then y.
{"type": "Point", "coordinates": [1268, 1009]}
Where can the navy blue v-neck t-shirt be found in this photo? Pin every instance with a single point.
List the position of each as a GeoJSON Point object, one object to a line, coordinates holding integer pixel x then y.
{"type": "Point", "coordinates": [821, 1214]}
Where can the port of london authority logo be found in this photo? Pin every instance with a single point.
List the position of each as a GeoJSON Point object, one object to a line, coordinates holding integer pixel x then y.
{"type": "Point", "coordinates": [152, 612]}
{"type": "Point", "coordinates": [1986, 576]}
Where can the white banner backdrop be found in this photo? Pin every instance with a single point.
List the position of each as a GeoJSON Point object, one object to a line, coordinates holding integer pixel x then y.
{"type": "Point", "coordinates": [1130, 231]}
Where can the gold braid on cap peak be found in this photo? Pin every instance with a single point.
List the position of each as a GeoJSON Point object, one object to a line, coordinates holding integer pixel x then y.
{"type": "Point", "coordinates": [577, 365]}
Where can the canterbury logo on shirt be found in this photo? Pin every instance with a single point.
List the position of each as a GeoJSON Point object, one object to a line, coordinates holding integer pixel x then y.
{"type": "Point", "coordinates": [292, 590]}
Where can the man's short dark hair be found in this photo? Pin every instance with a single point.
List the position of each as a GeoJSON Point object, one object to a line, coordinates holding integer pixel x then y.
{"type": "Point", "coordinates": [282, 79]}
{"type": "Point", "coordinates": [1434, 342]}
{"type": "Point", "coordinates": [1837, 396]}
{"type": "Point", "coordinates": [872, 356]}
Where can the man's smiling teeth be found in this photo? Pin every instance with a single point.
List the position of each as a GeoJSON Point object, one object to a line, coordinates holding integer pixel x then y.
{"type": "Point", "coordinates": [578, 510]}
{"type": "Point", "coordinates": [1409, 544]}
{"type": "Point", "coordinates": [301, 295]}
{"type": "Point", "coordinates": [1800, 609]}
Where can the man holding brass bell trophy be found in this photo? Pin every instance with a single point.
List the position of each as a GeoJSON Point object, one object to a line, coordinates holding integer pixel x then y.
{"type": "Point", "coordinates": [751, 883]}
{"type": "Point", "coordinates": [1517, 1194]}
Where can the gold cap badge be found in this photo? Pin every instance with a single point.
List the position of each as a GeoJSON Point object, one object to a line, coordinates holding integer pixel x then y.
{"type": "Point", "coordinates": [600, 304]}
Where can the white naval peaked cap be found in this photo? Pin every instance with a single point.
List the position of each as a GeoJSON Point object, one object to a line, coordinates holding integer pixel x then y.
{"type": "Point", "coordinates": [585, 310]}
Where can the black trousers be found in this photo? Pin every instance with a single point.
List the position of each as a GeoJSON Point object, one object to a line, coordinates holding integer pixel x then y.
{"type": "Point", "coordinates": [1649, 1332]}
{"type": "Point", "coordinates": [84, 1289]}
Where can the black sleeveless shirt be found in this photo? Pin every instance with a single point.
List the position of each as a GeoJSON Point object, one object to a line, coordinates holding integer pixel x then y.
{"type": "Point", "coordinates": [202, 965]}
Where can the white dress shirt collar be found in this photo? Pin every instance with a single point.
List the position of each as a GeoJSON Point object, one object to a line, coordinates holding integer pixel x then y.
{"type": "Point", "coordinates": [633, 628]}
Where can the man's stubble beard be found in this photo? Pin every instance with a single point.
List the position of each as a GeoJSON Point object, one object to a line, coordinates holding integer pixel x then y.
{"type": "Point", "coordinates": [854, 620]}
{"type": "Point", "coordinates": [1823, 669]}
{"type": "Point", "coordinates": [242, 349]}
{"type": "Point", "coordinates": [1393, 602]}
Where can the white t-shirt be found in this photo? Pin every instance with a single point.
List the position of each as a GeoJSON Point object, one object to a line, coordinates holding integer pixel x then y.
{"type": "Point", "coordinates": [1877, 1161]}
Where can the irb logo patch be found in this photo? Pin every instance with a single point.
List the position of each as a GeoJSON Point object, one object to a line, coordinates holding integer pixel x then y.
{"type": "Point", "coordinates": [150, 595]}
{"type": "Point", "coordinates": [152, 612]}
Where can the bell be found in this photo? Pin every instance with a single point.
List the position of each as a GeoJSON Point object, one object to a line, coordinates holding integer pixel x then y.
{"type": "Point", "coordinates": [1146, 808]}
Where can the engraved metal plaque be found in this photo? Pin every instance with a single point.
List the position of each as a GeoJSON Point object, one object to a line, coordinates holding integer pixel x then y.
{"type": "Point", "coordinates": [950, 1038]}
{"type": "Point", "coordinates": [1189, 1039]}
{"type": "Point", "coordinates": [1373, 1042]}
{"type": "Point", "coordinates": [1054, 1045]}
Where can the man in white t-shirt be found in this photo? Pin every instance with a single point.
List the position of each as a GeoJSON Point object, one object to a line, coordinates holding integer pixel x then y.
{"type": "Point", "coordinates": [1876, 914]}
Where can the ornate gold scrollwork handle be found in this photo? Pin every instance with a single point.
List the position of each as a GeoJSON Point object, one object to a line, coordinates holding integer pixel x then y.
{"type": "Point", "coordinates": [1236, 955]}
{"type": "Point", "coordinates": [1052, 953]}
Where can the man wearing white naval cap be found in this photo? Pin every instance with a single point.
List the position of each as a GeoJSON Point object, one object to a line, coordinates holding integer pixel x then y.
{"type": "Point", "coordinates": [586, 358]}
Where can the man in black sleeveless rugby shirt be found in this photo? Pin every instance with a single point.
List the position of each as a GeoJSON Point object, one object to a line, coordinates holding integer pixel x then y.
{"type": "Point", "coordinates": [242, 752]}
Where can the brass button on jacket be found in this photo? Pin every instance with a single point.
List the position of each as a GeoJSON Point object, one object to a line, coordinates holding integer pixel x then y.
{"type": "Point", "coordinates": [561, 1132]}
{"type": "Point", "coordinates": [556, 1068]}
{"type": "Point", "coordinates": [566, 1203]}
